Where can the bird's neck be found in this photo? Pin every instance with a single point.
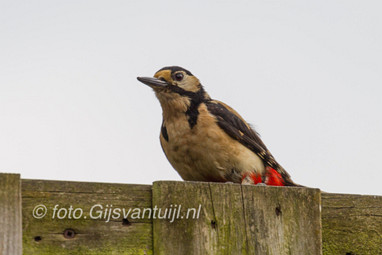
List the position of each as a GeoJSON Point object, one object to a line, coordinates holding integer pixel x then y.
{"type": "Point", "coordinates": [175, 105]}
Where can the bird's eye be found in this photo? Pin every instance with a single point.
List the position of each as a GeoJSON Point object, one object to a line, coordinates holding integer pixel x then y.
{"type": "Point", "coordinates": [178, 76]}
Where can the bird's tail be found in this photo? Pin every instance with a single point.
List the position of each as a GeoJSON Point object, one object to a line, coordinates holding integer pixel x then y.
{"type": "Point", "coordinates": [286, 179]}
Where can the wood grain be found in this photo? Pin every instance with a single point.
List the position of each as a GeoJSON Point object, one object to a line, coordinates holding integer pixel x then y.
{"type": "Point", "coordinates": [10, 214]}
{"type": "Point", "coordinates": [233, 219]}
{"type": "Point", "coordinates": [282, 220]}
{"type": "Point", "coordinates": [91, 236]}
{"type": "Point", "coordinates": [238, 219]}
{"type": "Point", "coordinates": [351, 224]}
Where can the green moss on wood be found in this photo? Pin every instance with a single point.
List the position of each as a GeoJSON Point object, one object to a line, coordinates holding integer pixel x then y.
{"type": "Point", "coordinates": [234, 219]}
{"type": "Point", "coordinates": [244, 219]}
{"type": "Point", "coordinates": [351, 224]}
{"type": "Point", "coordinates": [93, 236]}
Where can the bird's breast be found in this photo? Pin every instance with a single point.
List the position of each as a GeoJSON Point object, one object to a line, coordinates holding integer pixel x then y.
{"type": "Point", "coordinates": [205, 152]}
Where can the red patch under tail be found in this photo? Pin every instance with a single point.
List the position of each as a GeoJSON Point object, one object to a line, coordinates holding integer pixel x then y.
{"type": "Point", "coordinates": [252, 178]}
{"type": "Point", "coordinates": [273, 177]}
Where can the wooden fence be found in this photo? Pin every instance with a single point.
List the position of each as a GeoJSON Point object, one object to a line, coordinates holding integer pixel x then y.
{"type": "Point", "coordinates": [168, 217]}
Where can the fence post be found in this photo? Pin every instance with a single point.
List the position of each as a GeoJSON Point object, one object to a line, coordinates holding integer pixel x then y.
{"type": "Point", "coordinates": [236, 219]}
{"type": "Point", "coordinates": [10, 214]}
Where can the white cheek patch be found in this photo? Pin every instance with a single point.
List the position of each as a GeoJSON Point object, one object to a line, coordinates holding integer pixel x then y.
{"type": "Point", "coordinates": [190, 83]}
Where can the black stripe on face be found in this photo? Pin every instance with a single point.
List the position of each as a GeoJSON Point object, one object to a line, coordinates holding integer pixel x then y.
{"type": "Point", "coordinates": [174, 69]}
{"type": "Point", "coordinates": [196, 98]}
{"type": "Point", "coordinates": [163, 130]}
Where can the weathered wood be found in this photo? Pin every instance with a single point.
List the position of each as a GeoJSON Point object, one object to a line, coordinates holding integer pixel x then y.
{"type": "Point", "coordinates": [193, 236]}
{"type": "Point", "coordinates": [283, 220]}
{"type": "Point", "coordinates": [85, 236]}
{"type": "Point", "coordinates": [236, 219]}
{"type": "Point", "coordinates": [233, 219]}
{"type": "Point", "coordinates": [10, 214]}
{"type": "Point", "coordinates": [351, 224]}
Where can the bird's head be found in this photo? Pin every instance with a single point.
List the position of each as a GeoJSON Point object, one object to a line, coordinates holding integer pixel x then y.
{"type": "Point", "coordinates": [172, 79]}
{"type": "Point", "coordinates": [174, 84]}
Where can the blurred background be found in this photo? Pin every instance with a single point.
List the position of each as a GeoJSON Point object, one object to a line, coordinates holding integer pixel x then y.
{"type": "Point", "coordinates": [307, 75]}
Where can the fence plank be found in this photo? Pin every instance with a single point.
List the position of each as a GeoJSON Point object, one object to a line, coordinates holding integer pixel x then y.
{"type": "Point", "coordinates": [351, 224]}
{"type": "Point", "coordinates": [85, 236]}
{"type": "Point", "coordinates": [236, 219]}
{"type": "Point", "coordinates": [10, 215]}
{"type": "Point", "coordinates": [283, 220]}
{"type": "Point", "coordinates": [183, 236]}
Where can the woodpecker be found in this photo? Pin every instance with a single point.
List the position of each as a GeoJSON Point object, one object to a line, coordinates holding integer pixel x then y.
{"type": "Point", "coordinates": [205, 139]}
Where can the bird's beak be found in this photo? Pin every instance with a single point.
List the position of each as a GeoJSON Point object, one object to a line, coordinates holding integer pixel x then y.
{"type": "Point", "coordinates": [153, 82]}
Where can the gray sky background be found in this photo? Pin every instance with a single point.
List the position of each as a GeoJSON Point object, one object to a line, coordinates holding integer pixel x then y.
{"type": "Point", "coordinates": [306, 74]}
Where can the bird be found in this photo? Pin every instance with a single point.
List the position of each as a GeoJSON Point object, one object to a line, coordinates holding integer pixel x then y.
{"type": "Point", "coordinates": [205, 139]}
